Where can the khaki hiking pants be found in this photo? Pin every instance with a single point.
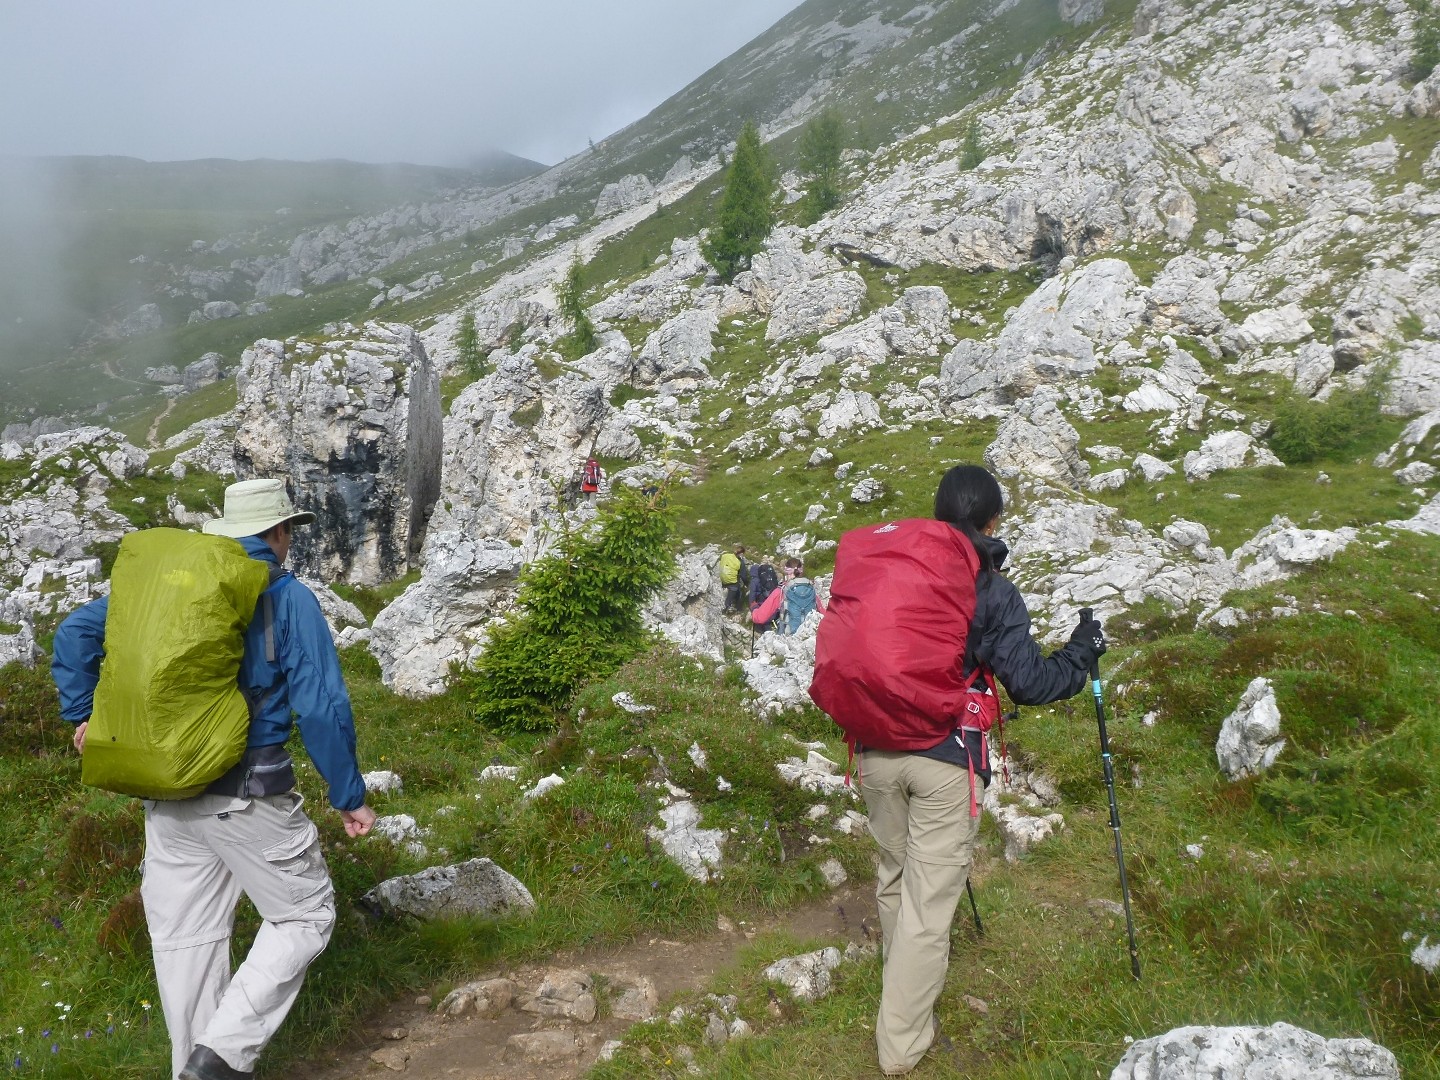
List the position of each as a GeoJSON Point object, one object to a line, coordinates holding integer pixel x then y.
{"type": "Point", "coordinates": [200, 855]}
{"type": "Point", "coordinates": [920, 817]}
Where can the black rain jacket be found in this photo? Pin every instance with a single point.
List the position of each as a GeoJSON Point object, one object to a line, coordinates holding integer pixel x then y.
{"type": "Point", "coordinates": [1001, 639]}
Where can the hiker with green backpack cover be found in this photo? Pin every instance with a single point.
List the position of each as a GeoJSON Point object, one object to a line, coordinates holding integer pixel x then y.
{"type": "Point", "coordinates": [184, 685]}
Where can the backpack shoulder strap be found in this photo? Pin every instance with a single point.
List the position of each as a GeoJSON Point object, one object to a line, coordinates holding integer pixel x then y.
{"type": "Point", "coordinates": [267, 609]}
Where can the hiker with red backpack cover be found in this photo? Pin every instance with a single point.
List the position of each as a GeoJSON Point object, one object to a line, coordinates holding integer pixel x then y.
{"type": "Point", "coordinates": [921, 623]}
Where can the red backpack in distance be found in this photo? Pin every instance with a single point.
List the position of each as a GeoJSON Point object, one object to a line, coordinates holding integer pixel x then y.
{"type": "Point", "coordinates": [890, 652]}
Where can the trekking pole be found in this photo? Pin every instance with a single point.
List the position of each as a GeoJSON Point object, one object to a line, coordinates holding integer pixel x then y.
{"type": "Point", "coordinates": [979, 930]}
{"type": "Point", "coordinates": [1086, 614]}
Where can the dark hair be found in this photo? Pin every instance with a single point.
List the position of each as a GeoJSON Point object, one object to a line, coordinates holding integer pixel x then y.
{"type": "Point", "coordinates": [796, 565]}
{"type": "Point", "coordinates": [970, 498]}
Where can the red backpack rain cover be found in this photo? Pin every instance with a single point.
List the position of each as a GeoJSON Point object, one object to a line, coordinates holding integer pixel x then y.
{"type": "Point", "coordinates": [890, 651]}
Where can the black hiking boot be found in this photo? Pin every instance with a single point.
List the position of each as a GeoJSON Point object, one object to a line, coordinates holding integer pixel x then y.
{"type": "Point", "coordinates": [205, 1064]}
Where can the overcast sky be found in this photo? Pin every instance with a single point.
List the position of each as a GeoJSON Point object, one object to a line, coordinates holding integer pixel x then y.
{"type": "Point", "coordinates": [427, 81]}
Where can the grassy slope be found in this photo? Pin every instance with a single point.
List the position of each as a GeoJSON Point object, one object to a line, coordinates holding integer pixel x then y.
{"type": "Point", "coordinates": [1296, 911]}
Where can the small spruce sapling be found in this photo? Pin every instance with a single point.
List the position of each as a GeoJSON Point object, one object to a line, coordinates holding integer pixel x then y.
{"type": "Point", "coordinates": [577, 617]}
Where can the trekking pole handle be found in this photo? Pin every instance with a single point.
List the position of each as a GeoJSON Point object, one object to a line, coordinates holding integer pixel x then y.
{"type": "Point", "coordinates": [1086, 614]}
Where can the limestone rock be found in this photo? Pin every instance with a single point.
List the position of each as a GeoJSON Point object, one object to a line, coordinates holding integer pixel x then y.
{"type": "Point", "coordinates": [475, 887]}
{"type": "Point", "coordinates": [563, 995]}
{"type": "Point", "coordinates": [808, 975]}
{"type": "Point", "coordinates": [635, 999]}
{"type": "Point", "coordinates": [436, 621]}
{"type": "Point", "coordinates": [815, 306]}
{"type": "Point", "coordinates": [1035, 440]}
{"type": "Point", "coordinates": [551, 1047]}
{"type": "Point", "coordinates": [1080, 12]}
{"type": "Point", "coordinates": [1227, 450]}
{"type": "Point", "coordinates": [675, 355]}
{"type": "Point", "coordinates": [1152, 468]}
{"type": "Point", "coordinates": [487, 999]}
{"type": "Point", "coordinates": [623, 194]}
{"type": "Point", "coordinates": [1250, 739]}
{"type": "Point", "coordinates": [145, 319]}
{"type": "Point", "coordinates": [1277, 1052]}
{"type": "Point", "coordinates": [356, 429]}
{"type": "Point", "coordinates": [1050, 338]}
{"type": "Point", "coordinates": [696, 850]}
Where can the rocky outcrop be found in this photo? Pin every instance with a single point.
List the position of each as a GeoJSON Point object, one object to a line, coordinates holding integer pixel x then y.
{"type": "Point", "coordinates": [1257, 1053]}
{"type": "Point", "coordinates": [815, 306]}
{"type": "Point", "coordinates": [1051, 338]}
{"type": "Point", "coordinates": [1036, 441]}
{"type": "Point", "coordinates": [623, 194]}
{"type": "Point", "coordinates": [354, 426]}
{"type": "Point", "coordinates": [1250, 739]}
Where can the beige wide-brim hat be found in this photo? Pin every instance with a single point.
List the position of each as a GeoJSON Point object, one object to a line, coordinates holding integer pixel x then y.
{"type": "Point", "coordinates": [253, 506]}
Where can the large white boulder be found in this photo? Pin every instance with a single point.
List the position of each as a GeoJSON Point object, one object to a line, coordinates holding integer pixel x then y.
{"type": "Point", "coordinates": [1278, 1052]}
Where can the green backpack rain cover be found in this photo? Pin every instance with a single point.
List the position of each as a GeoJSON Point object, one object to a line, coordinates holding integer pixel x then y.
{"type": "Point", "coordinates": [169, 717]}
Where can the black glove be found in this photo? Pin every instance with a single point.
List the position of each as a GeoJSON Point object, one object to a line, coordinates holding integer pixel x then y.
{"type": "Point", "coordinates": [1089, 639]}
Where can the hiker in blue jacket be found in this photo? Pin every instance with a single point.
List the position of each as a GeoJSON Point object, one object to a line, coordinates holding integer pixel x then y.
{"type": "Point", "coordinates": [247, 832]}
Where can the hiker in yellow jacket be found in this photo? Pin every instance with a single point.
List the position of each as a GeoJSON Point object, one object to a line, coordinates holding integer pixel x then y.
{"type": "Point", "coordinates": [733, 575]}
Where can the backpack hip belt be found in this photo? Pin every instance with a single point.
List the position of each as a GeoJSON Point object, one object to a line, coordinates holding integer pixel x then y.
{"type": "Point", "coordinates": [262, 771]}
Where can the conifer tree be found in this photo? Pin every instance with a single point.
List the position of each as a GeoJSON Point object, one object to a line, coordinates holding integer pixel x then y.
{"type": "Point", "coordinates": [745, 211]}
{"type": "Point", "coordinates": [820, 147]}
{"type": "Point", "coordinates": [572, 307]}
{"type": "Point", "coordinates": [1426, 55]}
{"type": "Point", "coordinates": [578, 614]}
{"type": "Point", "coordinates": [972, 153]}
{"type": "Point", "coordinates": [467, 346]}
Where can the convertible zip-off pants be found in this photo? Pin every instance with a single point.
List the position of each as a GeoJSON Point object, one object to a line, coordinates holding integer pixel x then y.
{"type": "Point", "coordinates": [920, 817]}
{"type": "Point", "coordinates": [200, 855]}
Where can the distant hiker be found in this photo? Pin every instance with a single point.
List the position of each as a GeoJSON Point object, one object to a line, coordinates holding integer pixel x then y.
{"type": "Point", "coordinates": [897, 667]}
{"type": "Point", "coordinates": [734, 577]}
{"type": "Point", "coordinates": [590, 476]}
{"type": "Point", "coordinates": [765, 597]}
{"type": "Point", "coordinates": [799, 598]}
{"type": "Point", "coordinates": [246, 832]}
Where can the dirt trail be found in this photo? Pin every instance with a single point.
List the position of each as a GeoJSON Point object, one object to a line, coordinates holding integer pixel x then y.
{"type": "Point", "coordinates": [471, 1048]}
{"type": "Point", "coordinates": [154, 432]}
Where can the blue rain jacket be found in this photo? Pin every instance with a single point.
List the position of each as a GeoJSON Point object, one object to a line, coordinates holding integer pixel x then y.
{"type": "Point", "coordinates": [303, 682]}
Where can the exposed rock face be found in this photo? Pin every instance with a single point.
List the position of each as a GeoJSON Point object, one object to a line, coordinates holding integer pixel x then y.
{"type": "Point", "coordinates": [1079, 12]}
{"type": "Point", "coordinates": [697, 850]}
{"type": "Point", "coordinates": [437, 621]}
{"type": "Point", "coordinates": [476, 887]}
{"type": "Point", "coordinates": [143, 320]}
{"type": "Point", "coordinates": [1227, 450]}
{"type": "Point", "coordinates": [627, 192]}
{"type": "Point", "coordinates": [1051, 338]}
{"type": "Point", "coordinates": [815, 306]}
{"type": "Point", "coordinates": [687, 612]}
{"type": "Point", "coordinates": [355, 428]}
{"type": "Point", "coordinates": [1250, 738]}
{"type": "Point", "coordinates": [1036, 441]}
{"type": "Point", "coordinates": [1277, 1052]}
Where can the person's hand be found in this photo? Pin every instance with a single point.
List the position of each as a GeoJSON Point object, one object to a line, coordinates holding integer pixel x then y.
{"type": "Point", "coordinates": [359, 821]}
{"type": "Point", "coordinates": [1090, 636]}
{"type": "Point", "coordinates": [80, 729]}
